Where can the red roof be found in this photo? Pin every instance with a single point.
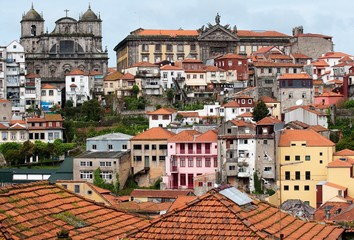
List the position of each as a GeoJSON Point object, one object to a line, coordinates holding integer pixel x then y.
{"type": "Point", "coordinates": [344, 152]}
{"type": "Point", "coordinates": [209, 136]}
{"type": "Point", "coordinates": [169, 67]}
{"type": "Point", "coordinates": [189, 114]}
{"type": "Point", "coordinates": [312, 138]}
{"type": "Point", "coordinates": [155, 133]}
{"type": "Point", "coordinates": [171, 33]}
{"type": "Point", "coordinates": [231, 104]}
{"type": "Point", "coordinates": [334, 55]}
{"type": "Point", "coordinates": [215, 216]}
{"type": "Point", "coordinates": [295, 76]}
{"type": "Point", "coordinates": [40, 210]}
{"type": "Point", "coordinates": [320, 63]}
{"type": "Point", "coordinates": [113, 76]}
{"type": "Point", "coordinates": [128, 76]}
{"type": "Point", "coordinates": [268, 121]}
{"type": "Point", "coordinates": [343, 162]}
{"type": "Point", "coordinates": [144, 64]}
{"type": "Point", "coordinates": [269, 33]}
{"type": "Point", "coordinates": [32, 75]}
{"type": "Point", "coordinates": [48, 86]}
{"type": "Point", "coordinates": [163, 111]}
{"type": "Point", "coordinates": [185, 136]}
{"type": "Point", "coordinates": [267, 99]}
{"type": "Point", "coordinates": [232, 56]}
{"type": "Point", "coordinates": [75, 72]}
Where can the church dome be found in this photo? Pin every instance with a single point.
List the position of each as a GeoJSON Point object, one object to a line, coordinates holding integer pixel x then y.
{"type": "Point", "coordinates": [89, 15]}
{"type": "Point", "coordinates": [32, 15]}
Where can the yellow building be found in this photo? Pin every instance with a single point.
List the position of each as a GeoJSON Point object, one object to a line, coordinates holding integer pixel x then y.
{"type": "Point", "coordinates": [340, 178]}
{"type": "Point", "coordinates": [303, 156]}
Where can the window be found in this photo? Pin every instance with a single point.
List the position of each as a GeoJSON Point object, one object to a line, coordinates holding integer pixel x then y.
{"type": "Point", "coordinates": [267, 169]}
{"type": "Point", "coordinates": [321, 161]}
{"type": "Point", "coordinates": [297, 175]}
{"type": "Point", "coordinates": [77, 188]}
{"type": "Point", "coordinates": [179, 48]}
{"type": "Point", "coordinates": [169, 47]}
{"type": "Point", "coordinates": [286, 188]}
{"type": "Point", "coordinates": [321, 153]}
{"type": "Point", "coordinates": [86, 174]}
{"type": "Point", "coordinates": [86, 163]}
{"type": "Point", "coordinates": [199, 162]}
{"type": "Point", "coordinates": [200, 184]}
{"type": "Point", "coordinates": [194, 76]}
{"type": "Point", "coordinates": [145, 47]}
{"type": "Point", "coordinates": [207, 162]}
{"type": "Point", "coordinates": [232, 168]}
{"type": "Point", "coordinates": [265, 141]}
{"type": "Point", "coordinates": [106, 175]}
{"type": "Point", "coordinates": [72, 79]}
{"type": "Point", "coordinates": [163, 146]}
{"type": "Point", "coordinates": [307, 188]}
{"type": "Point", "coordinates": [287, 175]}
{"type": "Point", "coordinates": [210, 184]}
{"type": "Point", "coordinates": [190, 162]}
{"type": "Point", "coordinates": [307, 157]}
{"type": "Point", "coordinates": [89, 192]}
{"type": "Point", "coordinates": [297, 158]}
{"type": "Point", "coordinates": [193, 48]}
{"type": "Point", "coordinates": [162, 158]}
{"type": "Point", "coordinates": [51, 92]}
{"type": "Point", "coordinates": [166, 117]}
{"type": "Point", "coordinates": [207, 148]}
{"type": "Point", "coordinates": [158, 48]}
{"type": "Point", "coordinates": [254, 48]}
{"type": "Point", "coordinates": [308, 175]}
{"type": "Point", "coordinates": [154, 158]}
{"type": "Point", "coordinates": [215, 162]}
{"type": "Point", "coordinates": [137, 147]}
{"type": "Point", "coordinates": [269, 70]}
{"type": "Point", "coordinates": [124, 146]}
{"type": "Point", "coordinates": [110, 146]}
{"type": "Point", "coordinates": [43, 92]}
{"type": "Point", "coordinates": [287, 158]}
{"type": "Point", "coordinates": [229, 63]}
{"type": "Point", "coordinates": [146, 147]}
{"type": "Point", "coordinates": [137, 158]}
{"type": "Point", "coordinates": [65, 186]}
{"type": "Point", "coordinates": [182, 179]}
{"type": "Point", "coordinates": [182, 162]}
{"type": "Point", "coordinates": [296, 188]}
{"type": "Point", "coordinates": [50, 136]}
{"type": "Point", "coordinates": [105, 164]}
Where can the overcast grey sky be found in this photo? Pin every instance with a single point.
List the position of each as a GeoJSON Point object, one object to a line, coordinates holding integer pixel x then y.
{"type": "Point", "coordinates": [328, 17]}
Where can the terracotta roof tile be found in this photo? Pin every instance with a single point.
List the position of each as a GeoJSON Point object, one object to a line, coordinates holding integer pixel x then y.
{"type": "Point", "coordinates": [189, 114]}
{"type": "Point", "coordinates": [267, 99]}
{"type": "Point", "coordinates": [268, 121]}
{"type": "Point", "coordinates": [332, 207]}
{"type": "Point", "coordinates": [209, 136]}
{"type": "Point", "coordinates": [185, 136]}
{"type": "Point", "coordinates": [155, 133]}
{"type": "Point", "coordinates": [144, 193]}
{"type": "Point", "coordinates": [320, 63]}
{"type": "Point", "coordinates": [312, 138]}
{"type": "Point", "coordinates": [344, 152]}
{"type": "Point", "coordinates": [334, 55]}
{"type": "Point", "coordinates": [75, 72]}
{"type": "Point", "coordinates": [128, 76]}
{"type": "Point", "coordinates": [295, 76]}
{"type": "Point", "coordinates": [232, 56]}
{"type": "Point", "coordinates": [335, 186]}
{"type": "Point", "coordinates": [344, 162]}
{"type": "Point", "coordinates": [32, 75]}
{"type": "Point", "coordinates": [269, 33]}
{"type": "Point", "coordinates": [162, 111]}
{"type": "Point", "coordinates": [215, 216]}
{"type": "Point", "coordinates": [47, 86]}
{"type": "Point", "coordinates": [144, 64]}
{"type": "Point", "coordinates": [231, 104]}
{"type": "Point", "coordinates": [169, 67]}
{"type": "Point", "coordinates": [171, 33]}
{"type": "Point", "coordinates": [113, 76]}
{"type": "Point", "coordinates": [40, 210]}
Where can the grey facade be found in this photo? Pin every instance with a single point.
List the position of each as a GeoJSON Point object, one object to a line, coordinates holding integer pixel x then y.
{"type": "Point", "coordinates": [72, 44]}
{"type": "Point", "coordinates": [109, 142]}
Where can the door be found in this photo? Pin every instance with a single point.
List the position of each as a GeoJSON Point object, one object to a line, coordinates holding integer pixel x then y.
{"type": "Point", "coordinates": [190, 180]}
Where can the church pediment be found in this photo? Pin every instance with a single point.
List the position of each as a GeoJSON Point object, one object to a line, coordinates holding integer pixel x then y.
{"type": "Point", "coordinates": [217, 33]}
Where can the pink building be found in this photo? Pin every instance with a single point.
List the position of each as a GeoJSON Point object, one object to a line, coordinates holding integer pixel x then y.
{"type": "Point", "coordinates": [329, 98]}
{"type": "Point", "coordinates": [190, 154]}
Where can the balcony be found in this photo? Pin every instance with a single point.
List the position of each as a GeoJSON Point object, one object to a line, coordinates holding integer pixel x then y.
{"type": "Point", "coordinates": [243, 172]}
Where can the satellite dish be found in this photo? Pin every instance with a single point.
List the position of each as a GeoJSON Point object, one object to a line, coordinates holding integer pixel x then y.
{"type": "Point", "coordinates": [299, 102]}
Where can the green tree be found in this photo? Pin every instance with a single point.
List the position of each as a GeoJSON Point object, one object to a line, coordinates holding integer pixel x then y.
{"type": "Point", "coordinates": [135, 90]}
{"type": "Point", "coordinates": [170, 95]}
{"type": "Point", "coordinates": [100, 182]}
{"type": "Point", "coordinates": [257, 184]}
{"type": "Point", "coordinates": [27, 150]}
{"type": "Point", "coordinates": [260, 111]}
{"type": "Point", "coordinates": [92, 110]}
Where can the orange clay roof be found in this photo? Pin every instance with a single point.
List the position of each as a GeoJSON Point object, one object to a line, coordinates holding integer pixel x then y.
{"type": "Point", "coordinates": [241, 123]}
{"type": "Point", "coordinates": [209, 136]}
{"type": "Point", "coordinates": [39, 210]}
{"type": "Point", "coordinates": [169, 67]}
{"type": "Point", "coordinates": [320, 63]}
{"type": "Point", "coordinates": [344, 152]}
{"type": "Point", "coordinates": [267, 99]}
{"type": "Point", "coordinates": [48, 86]}
{"type": "Point", "coordinates": [144, 64]}
{"type": "Point", "coordinates": [231, 104]}
{"type": "Point", "coordinates": [276, 64]}
{"type": "Point", "coordinates": [246, 114]}
{"type": "Point", "coordinates": [344, 162]}
{"type": "Point", "coordinates": [268, 121]}
{"type": "Point", "coordinates": [214, 216]}
{"type": "Point", "coordinates": [162, 111]}
{"type": "Point", "coordinates": [320, 213]}
{"type": "Point", "coordinates": [213, 69]}
{"type": "Point", "coordinates": [181, 201]}
{"type": "Point", "coordinates": [95, 73]}
{"type": "Point", "coordinates": [155, 133]}
{"type": "Point", "coordinates": [189, 114]}
{"type": "Point", "coordinates": [330, 94]}
{"type": "Point", "coordinates": [318, 128]}
{"type": "Point", "coordinates": [113, 76]}
{"type": "Point", "coordinates": [75, 72]}
{"type": "Point", "coordinates": [145, 193]}
{"type": "Point", "coordinates": [144, 207]}
{"type": "Point", "coordinates": [171, 33]}
{"type": "Point", "coordinates": [32, 75]}
{"type": "Point", "coordinates": [295, 76]}
{"type": "Point", "coordinates": [263, 50]}
{"type": "Point", "coordinates": [185, 136]}
{"type": "Point", "coordinates": [334, 55]}
{"type": "Point", "coordinates": [128, 76]}
{"type": "Point", "coordinates": [250, 33]}
{"type": "Point", "coordinates": [231, 56]}
{"type": "Point", "coordinates": [312, 138]}
{"type": "Point", "coordinates": [279, 56]}
{"type": "Point", "coordinates": [53, 117]}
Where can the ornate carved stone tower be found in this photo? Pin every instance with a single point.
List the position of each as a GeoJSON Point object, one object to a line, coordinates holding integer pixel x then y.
{"type": "Point", "coordinates": [72, 44]}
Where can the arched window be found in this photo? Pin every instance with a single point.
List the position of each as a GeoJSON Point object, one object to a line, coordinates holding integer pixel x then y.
{"type": "Point", "coordinates": [33, 30]}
